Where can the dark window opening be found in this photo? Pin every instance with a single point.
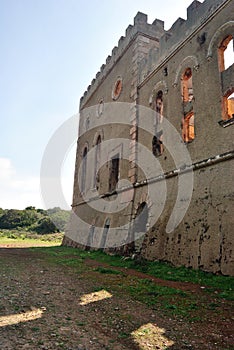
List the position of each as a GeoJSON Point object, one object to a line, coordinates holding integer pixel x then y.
{"type": "Point", "coordinates": [140, 224]}
{"type": "Point", "coordinates": [157, 146]}
{"type": "Point", "coordinates": [84, 168]}
{"type": "Point", "coordinates": [157, 141]}
{"type": "Point", "coordinates": [104, 234]}
{"type": "Point", "coordinates": [159, 102]}
{"type": "Point", "coordinates": [90, 237]}
{"type": "Point", "coordinates": [114, 173]}
{"type": "Point", "coordinates": [97, 163]}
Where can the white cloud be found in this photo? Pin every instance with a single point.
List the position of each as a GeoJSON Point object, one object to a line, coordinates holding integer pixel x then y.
{"type": "Point", "coordinates": [6, 169]}
{"type": "Point", "coordinates": [67, 174]}
{"type": "Point", "coordinates": [18, 192]}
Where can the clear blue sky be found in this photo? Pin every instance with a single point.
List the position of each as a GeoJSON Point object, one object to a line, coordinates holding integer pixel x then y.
{"type": "Point", "coordinates": [50, 52]}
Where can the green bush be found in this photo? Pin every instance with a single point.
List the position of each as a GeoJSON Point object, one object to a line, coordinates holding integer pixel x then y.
{"type": "Point", "coordinates": [37, 220]}
{"type": "Point", "coordinates": [45, 225]}
{"type": "Point", "coordinates": [14, 218]}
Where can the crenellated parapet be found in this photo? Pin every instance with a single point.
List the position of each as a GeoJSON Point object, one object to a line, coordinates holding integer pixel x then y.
{"type": "Point", "coordinates": [140, 26]}
{"type": "Point", "coordinates": [197, 14]}
{"type": "Point", "coordinates": [168, 41]}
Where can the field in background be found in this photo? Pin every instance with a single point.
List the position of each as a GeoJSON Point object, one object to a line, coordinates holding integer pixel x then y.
{"type": "Point", "coordinates": [22, 238]}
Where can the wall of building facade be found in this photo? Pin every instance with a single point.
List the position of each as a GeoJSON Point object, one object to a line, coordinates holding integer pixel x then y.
{"type": "Point", "coordinates": [184, 181]}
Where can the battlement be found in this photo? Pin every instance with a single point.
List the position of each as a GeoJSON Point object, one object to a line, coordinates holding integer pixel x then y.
{"type": "Point", "coordinates": [197, 14]}
{"type": "Point", "coordinates": [141, 26]}
{"type": "Point", "coordinates": [147, 127]}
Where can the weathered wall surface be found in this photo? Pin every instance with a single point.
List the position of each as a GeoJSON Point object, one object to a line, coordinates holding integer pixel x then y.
{"type": "Point", "coordinates": [204, 239]}
{"type": "Point", "coordinates": [101, 115]}
{"type": "Point", "coordinates": [149, 60]}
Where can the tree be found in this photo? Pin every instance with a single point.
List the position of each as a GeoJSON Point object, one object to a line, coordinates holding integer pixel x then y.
{"type": "Point", "coordinates": [2, 211]}
{"type": "Point", "coordinates": [14, 218]}
{"type": "Point", "coordinates": [45, 225]}
{"type": "Point", "coordinates": [30, 208]}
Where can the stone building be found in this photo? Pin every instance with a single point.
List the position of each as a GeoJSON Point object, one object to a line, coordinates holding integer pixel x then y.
{"type": "Point", "coordinates": [154, 165]}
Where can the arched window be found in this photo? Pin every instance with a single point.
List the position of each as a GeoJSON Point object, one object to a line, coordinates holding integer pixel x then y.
{"type": "Point", "coordinates": [84, 168]}
{"type": "Point", "coordinates": [97, 162]}
{"type": "Point", "coordinates": [226, 59]}
{"type": "Point", "coordinates": [140, 224]}
{"type": "Point", "coordinates": [187, 125]}
{"type": "Point", "coordinates": [187, 85]}
{"type": "Point", "coordinates": [159, 103]}
{"type": "Point", "coordinates": [225, 53]}
{"type": "Point", "coordinates": [157, 142]}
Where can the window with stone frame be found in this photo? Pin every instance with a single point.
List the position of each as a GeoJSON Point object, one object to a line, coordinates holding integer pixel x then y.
{"type": "Point", "coordinates": [113, 172]}
{"type": "Point", "coordinates": [117, 89]}
{"type": "Point", "coordinates": [225, 53]}
{"type": "Point", "coordinates": [83, 169]}
{"type": "Point", "coordinates": [226, 60]}
{"type": "Point", "coordinates": [97, 162]}
{"type": "Point", "coordinates": [188, 128]}
{"type": "Point", "coordinates": [157, 141]}
{"type": "Point", "coordinates": [187, 125]}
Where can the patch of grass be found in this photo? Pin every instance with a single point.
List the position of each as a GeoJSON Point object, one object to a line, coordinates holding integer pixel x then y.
{"type": "Point", "coordinates": [27, 237]}
{"type": "Point", "coordinates": [108, 271]}
{"type": "Point", "coordinates": [221, 285]}
{"type": "Point", "coordinates": [35, 329]}
{"type": "Point", "coordinates": [40, 342]}
{"type": "Point", "coordinates": [71, 262]}
{"type": "Point", "coordinates": [123, 335]}
{"type": "Point", "coordinates": [97, 289]}
{"type": "Point", "coordinates": [227, 294]}
{"type": "Point", "coordinates": [193, 306]}
{"type": "Point", "coordinates": [213, 306]}
{"type": "Point", "coordinates": [173, 300]}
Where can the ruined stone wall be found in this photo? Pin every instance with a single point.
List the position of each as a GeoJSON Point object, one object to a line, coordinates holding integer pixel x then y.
{"type": "Point", "coordinates": [148, 60]}
{"type": "Point", "coordinates": [204, 238]}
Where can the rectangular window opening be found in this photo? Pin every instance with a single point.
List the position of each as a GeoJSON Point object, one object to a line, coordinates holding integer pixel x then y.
{"type": "Point", "coordinates": [114, 172]}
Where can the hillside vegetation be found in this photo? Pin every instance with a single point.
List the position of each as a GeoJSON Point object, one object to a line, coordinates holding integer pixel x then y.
{"type": "Point", "coordinates": [34, 220]}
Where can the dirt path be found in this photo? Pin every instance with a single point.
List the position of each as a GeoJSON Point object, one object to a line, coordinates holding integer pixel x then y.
{"type": "Point", "coordinates": [48, 306]}
{"type": "Point", "coordinates": [186, 286]}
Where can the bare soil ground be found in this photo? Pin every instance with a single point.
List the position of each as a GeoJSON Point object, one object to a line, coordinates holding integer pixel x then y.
{"type": "Point", "coordinates": [50, 306]}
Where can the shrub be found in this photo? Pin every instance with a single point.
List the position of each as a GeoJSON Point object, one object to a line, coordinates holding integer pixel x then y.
{"type": "Point", "coordinates": [14, 218]}
{"type": "Point", "coordinates": [45, 225]}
